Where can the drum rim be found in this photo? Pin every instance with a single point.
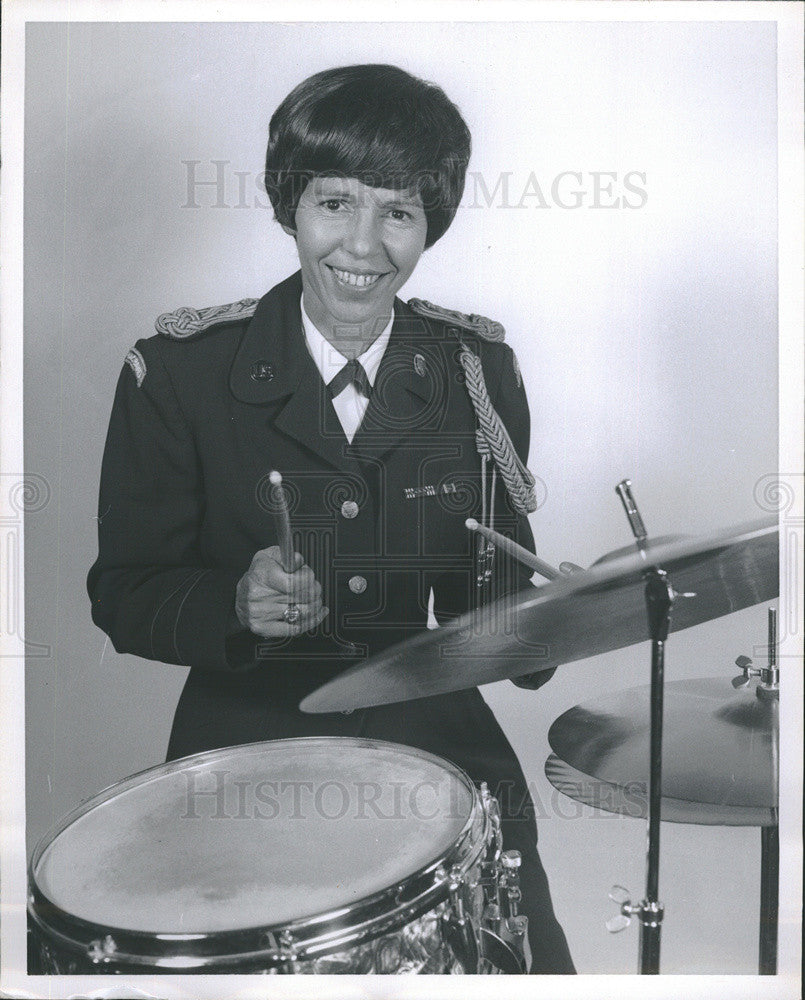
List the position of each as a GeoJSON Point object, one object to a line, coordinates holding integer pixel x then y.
{"type": "Point", "coordinates": [272, 944]}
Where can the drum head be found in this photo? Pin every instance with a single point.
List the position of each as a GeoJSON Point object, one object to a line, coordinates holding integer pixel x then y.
{"type": "Point", "coordinates": [256, 835]}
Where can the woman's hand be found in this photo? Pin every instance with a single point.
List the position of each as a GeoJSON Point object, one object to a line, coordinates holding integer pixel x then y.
{"type": "Point", "coordinates": [266, 590]}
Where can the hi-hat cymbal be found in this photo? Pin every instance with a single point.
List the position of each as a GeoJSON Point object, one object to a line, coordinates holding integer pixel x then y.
{"type": "Point", "coordinates": [590, 612]}
{"type": "Point", "coordinates": [632, 800]}
{"type": "Point", "coordinates": [719, 762]}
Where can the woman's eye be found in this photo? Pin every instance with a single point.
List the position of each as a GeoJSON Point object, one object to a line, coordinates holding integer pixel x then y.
{"type": "Point", "coordinates": [400, 215]}
{"type": "Point", "coordinates": [333, 204]}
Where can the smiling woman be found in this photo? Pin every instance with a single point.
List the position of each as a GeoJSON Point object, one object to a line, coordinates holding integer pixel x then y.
{"type": "Point", "coordinates": [357, 246]}
{"type": "Point", "coordinates": [359, 400]}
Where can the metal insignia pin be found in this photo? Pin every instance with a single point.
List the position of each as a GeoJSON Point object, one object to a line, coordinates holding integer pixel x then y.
{"type": "Point", "coordinates": [419, 365]}
{"type": "Point", "coordinates": [261, 371]}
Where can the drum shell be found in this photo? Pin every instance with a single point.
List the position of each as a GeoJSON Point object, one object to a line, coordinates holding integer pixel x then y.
{"type": "Point", "coordinates": [417, 947]}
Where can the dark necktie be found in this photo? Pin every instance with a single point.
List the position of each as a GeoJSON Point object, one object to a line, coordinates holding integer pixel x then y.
{"type": "Point", "coordinates": [351, 372]}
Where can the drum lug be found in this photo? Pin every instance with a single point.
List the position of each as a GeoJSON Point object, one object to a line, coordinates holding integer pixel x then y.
{"type": "Point", "coordinates": [454, 888]}
{"type": "Point", "coordinates": [102, 951]}
{"type": "Point", "coordinates": [510, 881]}
{"type": "Point", "coordinates": [287, 953]}
{"type": "Point", "coordinates": [458, 927]}
{"type": "Point", "coordinates": [492, 810]}
{"type": "Point", "coordinates": [502, 921]}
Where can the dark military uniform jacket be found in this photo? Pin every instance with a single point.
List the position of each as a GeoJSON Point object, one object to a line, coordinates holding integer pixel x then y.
{"type": "Point", "coordinates": [185, 502]}
{"type": "Point", "coordinates": [197, 426]}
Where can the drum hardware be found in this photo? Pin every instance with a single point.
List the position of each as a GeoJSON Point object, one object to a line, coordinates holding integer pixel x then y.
{"type": "Point", "coordinates": [767, 689]}
{"type": "Point", "coordinates": [582, 613]}
{"type": "Point", "coordinates": [626, 909]}
{"type": "Point", "coordinates": [287, 954]}
{"type": "Point", "coordinates": [769, 676]}
{"type": "Point", "coordinates": [578, 615]}
{"type": "Point", "coordinates": [504, 937]}
{"type": "Point", "coordinates": [515, 924]}
{"type": "Point", "coordinates": [501, 939]}
{"type": "Point", "coordinates": [458, 928]}
{"type": "Point", "coordinates": [659, 595]}
{"type": "Point", "coordinates": [624, 491]}
{"type": "Point", "coordinates": [504, 931]}
{"type": "Point", "coordinates": [600, 759]}
{"type": "Point", "coordinates": [511, 861]}
{"type": "Point", "coordinates": [102, 951]}
{"type": "Point", "coordinates": [492, 810]}
{"type": "Point", "coordinates": [646, 912]}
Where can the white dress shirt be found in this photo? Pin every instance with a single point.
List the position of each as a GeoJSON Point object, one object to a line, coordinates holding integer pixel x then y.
{"type": "Point", "coordinates": [350, 404]}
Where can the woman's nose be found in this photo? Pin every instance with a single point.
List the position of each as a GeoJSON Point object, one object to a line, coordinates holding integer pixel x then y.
{"type": "Point", "coordinates": [363, 236]}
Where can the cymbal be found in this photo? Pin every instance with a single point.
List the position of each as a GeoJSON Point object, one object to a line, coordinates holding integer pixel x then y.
{"type": "Point", "coordinates": [571, 618]}
{"type": "Point", "coordinates": [631, 800]}
{"type": "Point", "coordinates": [719, 761]}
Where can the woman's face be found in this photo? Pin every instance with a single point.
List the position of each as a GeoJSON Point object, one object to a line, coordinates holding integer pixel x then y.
{"type": "Point", "coordinates": [358, 245]}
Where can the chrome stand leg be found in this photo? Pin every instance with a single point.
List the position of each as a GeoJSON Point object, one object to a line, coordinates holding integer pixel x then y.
{"type": "Point", "coordinates": [769, 899]}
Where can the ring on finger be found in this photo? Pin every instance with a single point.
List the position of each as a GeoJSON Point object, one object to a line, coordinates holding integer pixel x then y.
{"type": "Point", "coordinates": [291, 615]}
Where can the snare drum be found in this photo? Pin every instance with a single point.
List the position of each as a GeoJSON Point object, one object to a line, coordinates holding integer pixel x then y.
{"type": "Point", "coordinates": [317, 855]}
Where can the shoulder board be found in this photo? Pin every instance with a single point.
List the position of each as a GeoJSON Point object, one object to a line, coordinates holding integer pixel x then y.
{"type": "Point", "coordinates": [489, 329]}
{"type": "Point", "coordinates": [186, 323]}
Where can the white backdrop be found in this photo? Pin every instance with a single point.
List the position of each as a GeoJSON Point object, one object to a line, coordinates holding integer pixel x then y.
{"type": "Point", "coordinates": [647, 338]}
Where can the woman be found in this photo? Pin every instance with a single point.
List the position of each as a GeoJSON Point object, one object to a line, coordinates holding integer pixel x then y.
{"type": "Point", "coordinates": [365, 168]}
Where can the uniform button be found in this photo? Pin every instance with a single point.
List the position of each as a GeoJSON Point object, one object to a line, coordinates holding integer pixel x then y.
{"type": "Point", "coordinates": [349, 509]}
{"type": "Point", "coordinates": [261, 371]}
{"type": "Point", "coordinates": [348, 649]}
{"type": "Point", "coordinates": [357, 584]}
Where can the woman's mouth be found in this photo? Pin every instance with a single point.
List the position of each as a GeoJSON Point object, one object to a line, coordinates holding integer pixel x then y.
{"type": "Point", "coordinates": [355, 279]}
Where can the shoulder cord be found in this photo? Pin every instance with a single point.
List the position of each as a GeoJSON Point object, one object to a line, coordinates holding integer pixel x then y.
{"type": "Point", "coordinates": [492, 439]}
{"type": "Point", "coordinates": [493, 443]}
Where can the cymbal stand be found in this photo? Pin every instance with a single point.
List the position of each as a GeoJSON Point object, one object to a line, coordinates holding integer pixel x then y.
{"type": "Point", "coordinates": [769, 899]}
{"type": "Point", "coordinates": [768, 688]}
{"type": "Point", "coordinates": [659, 602]}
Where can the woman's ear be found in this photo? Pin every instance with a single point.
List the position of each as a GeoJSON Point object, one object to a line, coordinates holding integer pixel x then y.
{"type": "Point", "coordinates": [288, 230]}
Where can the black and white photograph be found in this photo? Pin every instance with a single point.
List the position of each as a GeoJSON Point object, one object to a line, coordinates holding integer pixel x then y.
{"type": "Point", "coordinates": [402, 499]}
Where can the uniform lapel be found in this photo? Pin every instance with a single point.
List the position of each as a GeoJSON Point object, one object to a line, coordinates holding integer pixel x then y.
{"type": "Point", "coordinates": [273, 366]}
{"type": "Point", "coordinates": [408, 389]}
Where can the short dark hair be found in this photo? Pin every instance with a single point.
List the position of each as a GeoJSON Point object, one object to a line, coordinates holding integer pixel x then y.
{"type": "Point", "coordinates": [378, 124]}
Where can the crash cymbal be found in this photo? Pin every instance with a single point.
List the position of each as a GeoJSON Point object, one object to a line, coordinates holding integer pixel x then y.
{"type": "Point", "coordinates": [719, 755]}
{"type": "Point", "coordinates": [632, 800]}
{"type": "Point", "coordinates": [571, 618]}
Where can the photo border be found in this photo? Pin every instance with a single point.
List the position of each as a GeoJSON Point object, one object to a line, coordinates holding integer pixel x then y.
{"type": "Point", "coordinates": [789, 18]}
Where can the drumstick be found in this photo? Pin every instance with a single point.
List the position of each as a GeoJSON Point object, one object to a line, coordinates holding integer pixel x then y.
{"type": "Point", "coordinates": [283, 521]}
{"type": "Point", "coordinates": [519, 553]}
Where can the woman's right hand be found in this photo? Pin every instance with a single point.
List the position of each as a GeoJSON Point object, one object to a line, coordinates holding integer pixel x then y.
{"type": "Point", "coordinates": [266, 590]}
